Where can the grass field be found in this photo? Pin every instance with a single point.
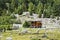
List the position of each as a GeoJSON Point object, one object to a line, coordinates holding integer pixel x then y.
{"type": "Point", "coordinates": [54, 34]}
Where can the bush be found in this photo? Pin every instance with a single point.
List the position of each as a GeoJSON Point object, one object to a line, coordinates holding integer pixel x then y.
{"type": "Point", "coordinates": [5, 27]}
{"type": "Point", "coordinates": [9, 27]}
{"type": "Point", "coordinates": [26, 25]}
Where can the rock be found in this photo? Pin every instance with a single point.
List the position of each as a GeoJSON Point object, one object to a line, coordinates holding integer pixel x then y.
{"type": "Point", "coordinates": [9, 38]}
{"type": "Point", "coordinates": [24, 31]}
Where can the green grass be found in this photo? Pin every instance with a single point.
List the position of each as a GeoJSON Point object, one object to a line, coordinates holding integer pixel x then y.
{"type": "Point", "coordinates": [15, 35]}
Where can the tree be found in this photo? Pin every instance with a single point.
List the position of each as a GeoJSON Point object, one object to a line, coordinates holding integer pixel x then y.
{"type": "Point", "coordinates": [43, 3]}
{"type": "Point", "coordinates": [21, 8]}
{"type": "Point", "coordinates": [56, 10]}
{"type": "Point", "coordinates": [48, 11]}
{"type": "Point", "coordinates": [31, 7]}
{"type": "Point", "coordinates": [38, 9]}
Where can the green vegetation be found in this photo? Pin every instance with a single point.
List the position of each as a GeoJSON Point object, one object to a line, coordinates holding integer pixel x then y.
{"type": "Point", "coordinates": [46, 7]}
{"type": "Point", "coordinates": [26, 25]}
{"type": "Point", "coordinates": [5, 27]}
{"type": "Point", "coordinates": [15, 35]}
{"type": "Point", "coordinates": [10, 7]}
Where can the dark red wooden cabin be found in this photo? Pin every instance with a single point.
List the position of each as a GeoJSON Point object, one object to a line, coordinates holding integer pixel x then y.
{"type": "Point", "coordinates": [36, 24]}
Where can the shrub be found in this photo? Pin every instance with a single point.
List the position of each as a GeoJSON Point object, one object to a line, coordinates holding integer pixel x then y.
{"type": "Point", "coordinates": [26, 25]}
{"type": "Point", "coordinates": [5, 27]}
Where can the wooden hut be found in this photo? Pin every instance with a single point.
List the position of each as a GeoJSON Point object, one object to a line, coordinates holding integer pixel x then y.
{"type": "Point", "coordinates": [36, 24]}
